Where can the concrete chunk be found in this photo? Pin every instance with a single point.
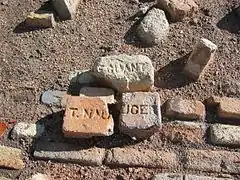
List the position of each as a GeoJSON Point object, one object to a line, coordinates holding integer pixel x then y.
{"type": "Point", "coordinates": [40, 20]}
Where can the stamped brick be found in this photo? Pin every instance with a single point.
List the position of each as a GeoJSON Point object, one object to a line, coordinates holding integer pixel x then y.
{"type": "Point", "coordinates": [229, 108]}
{"type": "Point", "coordinates": [72, 153]}
{"type": "Point", "coordinates": [11, 158]}
{"type": "Point", "coordinates": [127, 157]}
{"type": "Point", "coordinates": [222, 134]}
{"type": "Point", "coordinates": [140, 114]}
{"type": "Point", "coordinates": [40, 20]}
{"type": "Point", "coordinates": [200, 58]}
{"type": "Point", "coordinates": [105, 94]}
{"type": "Point", "coordinates": [87, 117]}
{"type": "Point", "coordinates": [185, 109]}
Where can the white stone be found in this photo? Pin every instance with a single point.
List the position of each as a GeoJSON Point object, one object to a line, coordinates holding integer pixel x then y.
{"type": "Point", "coordinates": [154, 27]}
{"type": "Point", "coordinates": [125, 73]}
{"type": "Point", "coordinates": [40, 20]}
{"type": "Point", "coordinates": [82, 77]}
{"type": "Point", "coordinates": [39, 176]}
{"type": "Point", "coordinates": [23, 130]}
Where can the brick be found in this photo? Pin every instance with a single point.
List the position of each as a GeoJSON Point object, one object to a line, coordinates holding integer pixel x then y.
{"type": "Point", "coordinates": [125, 73]}
{"type": "Point", "coordinates": [66, 9]}
{"type": "Point", "coordinates": [105, 94]}
{"type": "Point", "coordinates": [168, 176]}
{"type": "Point", "coordinates": [40, 20]}
{"type": "Point", "coordinates": [127, 157]}
{"type": "Point", "coordinates": [195, 177]}
{"type": "Point", "coordinates": [200, 58]}
{"type": "Point", "coordinates": [82, 77]}
{"type": "Point", "coordinates": [229, 108]}
{"type": "Point", "coordinates": [185, 109]}
{"type": "Point", "coordinates": [213, 161]}
{"type": "Point", "coordinates": [178, 9]}
{"type": "Point", "coordinates": [140, 114]}
{"type": "Point", "coordinates": [71, 153]}
{"type": "Point", "coordinates": [53, 97]}
{"type": "Point", "coordinates": [87, 117]}
{"type": "Point", "coordinates": [221, 134]}
{"type": "Point", "coordinates": [11, 158]}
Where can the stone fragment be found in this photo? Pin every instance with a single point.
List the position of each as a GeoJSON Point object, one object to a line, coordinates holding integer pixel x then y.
{"type": "Point", "coordinates": [51, 97]}
{"type": "Point", "coordinates": [39, 176]}
{"type": "Point", "coordinates": [41, 20]}
{"type": "Point", "coordinates": [71, 153]}
{"type": "Point", "coordinates": [126, 73]}
{"type": "Point", "coordinates": [140, 115]}
{"type": "Point", "coordinates": [11, 158]}
{"type": "Point", "coordinates": [105, 94]}
{"type": "Point", "coordinates": [154, 27]}
{"type": "Point", "coordinates": [195, 177]}
{"type": "Point", "coordinates": [225, 134]}
{"type": "Point", "coordinates": [229, 108]}
{"type": "Point", "coordinates": [185, 109]}
{"type": "Point", "coordinates": [168, 176]}
{"type": "Point", "coordinates": [87, 117]}
{"type": "Point", "coordinates": [128, 157]}
{"type": "Point", "coordinates": [26, 130]}
{"type": "Point", "coordinates": [66, 9]}
{"type": "Point", "coordinates": [200, 58]}
{"type": "Point", "coordinates": [178, 9]}
{"type": "Point", "coordinates": [82, 77]}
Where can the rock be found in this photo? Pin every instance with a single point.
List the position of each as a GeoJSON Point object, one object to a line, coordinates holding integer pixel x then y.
{"type": "Point", "coordinates": [140, 115]}
{"type": "Point", "coordinates": [125, 73]}
{"type": "Point", "coordinates": [229, 108]}
{"type": "Point", "coordinates": [39, 176]}
{"type": "Point", "coordinates": [178, 9]}
{"type": "Point", "coordinates": [195, 177]}
{"type": "Point", "coordinates": [225, 134]}
{"type": "Point", "coordinates": [168, 176]}
{"type": "Point", "coordinates": [41, 20]}
{"type": "Point", "coordinates": [71, 153]}
{"type": "Point", "coordinates": [154, 27]}
{"type": "Point", "coordinates": [53, 98]}
{"type": "Point", "coordinates": [127, 157]}
{"type": "Point", "coordinates": [26, 130]}
{"type": "Point", "coordinates": [87, 117]}
{"type": "Point", "coordinates": [11, 158]}
{"type": "Point", "coordinates": [105, 94]}
{"type": "Point", "coordinates": [82, 77]}
{"type": "Point", "coordinates": [200, 58]}
{"type": "Point", "coordinates": [66, 9]}
{"type": "Point", "coordinates": [185, 109]}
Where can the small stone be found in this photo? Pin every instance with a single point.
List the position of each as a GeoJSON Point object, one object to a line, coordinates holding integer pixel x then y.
{"type": "Point", "coordinates": [140, 114]}
{"type": "Point", "coordinates": [87, 117]}
{"type": "Point", "coordinates": [185, 109]}
{"type": "Point", "coordinates": [125, 73]}
{"type": "Point", "coordinates": [154, 27]}
{"type": "Point", "coordinates": [26, 130]}
{"type": "Point", "coordinates": [42, 20]}
{"type": "Point", "coordinates": [66, 9]}
{"type": "Point", "coordinates": [52, 98]}
{"type": "Point", "coordinates": [82, 77]}
{"type": "Point", "coordinates": [195, 177]}
{"type": "Point", "coordinates": [225, 134]}
{"type": "Point", "coordinates": [200, 58]}
{"type": "Point", "coordinates": [105, 94]}
{"type": "Point", "coordinates": [178, 9]}
{"type": "Point", "coordinates": [11, 158]}
{"type": "Point", "coordinates": [39, 176]}
{"type": "Point", "coordinates": [71, 153]}
{"type": "Point", "coordinates": [168, 176]}
{"type": "Point", "coordinates": [229, 108]}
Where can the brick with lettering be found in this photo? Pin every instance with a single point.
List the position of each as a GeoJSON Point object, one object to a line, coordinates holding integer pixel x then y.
{"type": "Point", "coordinates": [125, 73]}
{"type": "Point", "coordinates": [140, 114]}
{"type": "Point", "coordinates": [87, 117]}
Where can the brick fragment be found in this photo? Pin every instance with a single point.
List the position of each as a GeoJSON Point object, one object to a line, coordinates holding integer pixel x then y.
{"type": "Point", "coordinates": [229, 108]}
{"type": "Point", "coordinates": [71, 153]}
{"type": "Point", "coordinates": [200, 58]}
{"type": "Point", "coordinates": [127, 157]}
{"type": "Point", "coordinates": [87, 117]}
{"type": "Point", "coordinates": [140, 115]}
{"type": "Point", "coordinates": [11, 158]}
{"type": "Point", "coordinates": [40, 20]}
{"type": "Point", "coordinates": [185, 109]}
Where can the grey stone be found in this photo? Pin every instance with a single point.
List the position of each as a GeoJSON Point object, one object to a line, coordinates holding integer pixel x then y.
{"type": "Point", "coordinates": [66, 9]}
{"type": "Point", "coordinates": [125, 73]}
{"type": "Point", "coordinates": [154, 27]}
{"type": "Point", "coordinates": [25, 130]}
{"type": "Point", "coordinates": [40, 20]}
{"type": "Point", "coordinates": [168, 176]}
{"type": "Point", "coordinates": [200, 58]}
{"type": "Point", "coordinates": [225, 134]}
{"type": "Point", "coordinates": [82, 77]}
{"type": "Point", "coordinates": [51, 97]}
{"type": "Point", "coordinates": [71, 153]}
{"type": "Point", "coordinates": [195, 177]}
{"type": "Point", "coordinates": [140, 115]}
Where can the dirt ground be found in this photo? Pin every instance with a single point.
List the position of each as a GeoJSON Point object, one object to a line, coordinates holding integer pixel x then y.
{"type": "Point", "coordinates": [34, 61]}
